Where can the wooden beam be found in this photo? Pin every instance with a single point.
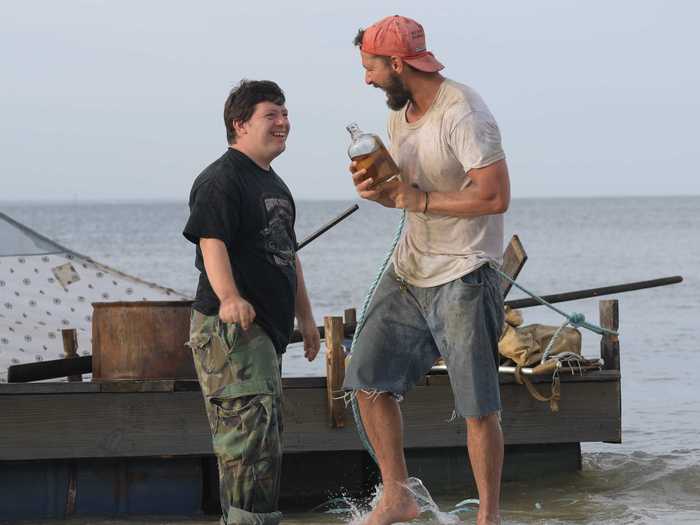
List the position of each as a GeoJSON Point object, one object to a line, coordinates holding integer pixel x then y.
{"type": "Point", "coordinates": [70, 350]}
{"type": "Point", "coordinates": [335, 370]}
{"type": "Point", "coordinates": [610, 344]}
{"type": "Point", "coordinates": [51, 369]}
{"type": "Point", "coordinates": [513, 261]}
{"type": "Point", "coordinates": [350, 318]}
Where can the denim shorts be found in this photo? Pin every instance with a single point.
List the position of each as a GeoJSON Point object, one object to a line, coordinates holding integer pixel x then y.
{"type": "Point", "coordinates": [408, 328]}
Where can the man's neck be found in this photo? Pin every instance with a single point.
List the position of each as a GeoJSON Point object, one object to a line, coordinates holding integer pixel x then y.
{"type": "Point", "coordinates": [262, 163]}
{"type": "Point", "coordinates": [424, 89]}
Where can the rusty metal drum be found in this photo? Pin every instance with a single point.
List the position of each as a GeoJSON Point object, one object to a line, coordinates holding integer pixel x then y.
{"type": "Point", "coordinates": [141, 340]}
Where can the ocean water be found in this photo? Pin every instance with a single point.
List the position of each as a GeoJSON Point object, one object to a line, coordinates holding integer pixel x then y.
{"type": "Point", "coordinates": [652, 477]}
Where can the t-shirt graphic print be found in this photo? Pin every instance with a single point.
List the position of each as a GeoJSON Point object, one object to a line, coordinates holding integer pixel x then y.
{"type": "Point", "coordinates": [276, 240]}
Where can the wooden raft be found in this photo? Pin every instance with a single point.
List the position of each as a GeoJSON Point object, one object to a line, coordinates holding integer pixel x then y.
{"type": "Point", "coordinates": [158, 418]}
{"type": "Point", "coordinates": [167, 418]}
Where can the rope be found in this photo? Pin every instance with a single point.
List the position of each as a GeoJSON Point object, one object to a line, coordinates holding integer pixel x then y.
{"type": "Point", "coordinates": [550, 345]}
{"type": "Point", "coordinates": [555, 395]}
{"type": "Point", "coordinates": [360, 323]}
{"type": "Point", "coordinates": [574, 319]}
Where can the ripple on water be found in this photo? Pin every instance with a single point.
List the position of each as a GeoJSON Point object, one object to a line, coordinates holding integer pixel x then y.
{"type": "Point", "coordinates": [611, 489]}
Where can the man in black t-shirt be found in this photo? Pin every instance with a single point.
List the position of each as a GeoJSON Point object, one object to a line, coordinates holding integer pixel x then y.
{"type": "Point", "coordinates": [251, 286]}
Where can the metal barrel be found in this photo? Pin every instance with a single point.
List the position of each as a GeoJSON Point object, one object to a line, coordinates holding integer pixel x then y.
{"type": "Point", "coordinates": [141, 340]}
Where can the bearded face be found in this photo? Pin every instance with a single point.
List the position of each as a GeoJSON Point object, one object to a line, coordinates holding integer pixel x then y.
{"type": "Point", "coordinates": [397, 95]}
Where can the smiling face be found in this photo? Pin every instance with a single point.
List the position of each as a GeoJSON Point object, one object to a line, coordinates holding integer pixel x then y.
{"type": "Point", "coordinates": [380, 74]}
{"type": "Point", "coordinates": [264, 136]}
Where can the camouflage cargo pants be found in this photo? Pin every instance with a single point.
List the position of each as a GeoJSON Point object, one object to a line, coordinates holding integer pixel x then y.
{"type": "Point", "coordinates": [239, 373]}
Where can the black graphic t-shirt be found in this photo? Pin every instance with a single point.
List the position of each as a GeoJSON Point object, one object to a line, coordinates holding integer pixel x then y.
{"type": "Point", "coordinates": [252, 211]}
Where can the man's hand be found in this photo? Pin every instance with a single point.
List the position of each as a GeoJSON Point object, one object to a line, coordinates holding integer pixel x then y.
{"type": "Point", "coordinates": [237, 310]}
{"type": "Point", "coordinates": [391, 194]}
{"type": "Point", "coordinates": [312, 341]}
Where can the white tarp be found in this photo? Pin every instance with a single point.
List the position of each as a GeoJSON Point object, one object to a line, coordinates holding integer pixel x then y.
{"type": "Point", "coordinates": [45, 288]}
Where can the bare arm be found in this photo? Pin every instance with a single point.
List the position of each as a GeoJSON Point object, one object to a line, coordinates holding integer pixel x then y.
{"type": "Point", "coordinates": [305, 317]}
{"type": "Point", "coordinates": [488, 193]}
{"type": "Point", "coordinates": [233, 308]}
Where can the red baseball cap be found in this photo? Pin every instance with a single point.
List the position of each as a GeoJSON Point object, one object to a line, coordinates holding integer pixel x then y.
{"type": "Point", "coordinates": [402, 37]}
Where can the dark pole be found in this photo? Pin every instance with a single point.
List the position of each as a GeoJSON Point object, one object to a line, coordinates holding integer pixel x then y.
{"type": "Point", "coordinates": [323, 229]}
{"type": "Point", "coordinates": [595, 292]}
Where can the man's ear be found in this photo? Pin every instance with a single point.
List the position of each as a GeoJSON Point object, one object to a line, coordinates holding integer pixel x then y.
{"type": "Point", "coordinates": [240, 127]}
{"type": "Point", "coordinates": [397, 64]}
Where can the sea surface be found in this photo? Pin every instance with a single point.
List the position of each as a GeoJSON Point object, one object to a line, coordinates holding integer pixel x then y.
{"type": "Point", "coordinates": [652, 477]}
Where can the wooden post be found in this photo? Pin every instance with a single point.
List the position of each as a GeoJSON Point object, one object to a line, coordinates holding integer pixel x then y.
{"type": "Point", "coordinates": [610, 344]}
{"type": "Point", "coordinates": [513, 261]}
{"type": "Point", "coordinates": [335, 370]}
{"type": "Point", "coordinates": [350, 319]}
{"type": "Point", "coordinates": [70, 349]}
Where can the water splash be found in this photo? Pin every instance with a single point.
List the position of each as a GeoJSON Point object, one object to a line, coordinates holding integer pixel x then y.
{"type": "Point", "coordinates": [356, 511]}
{"type": "Point", "coordinates": [428, 505]}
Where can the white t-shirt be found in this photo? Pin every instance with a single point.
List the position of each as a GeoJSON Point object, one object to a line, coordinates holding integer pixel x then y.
{"type": "Point", "coordinates": [435, 153]}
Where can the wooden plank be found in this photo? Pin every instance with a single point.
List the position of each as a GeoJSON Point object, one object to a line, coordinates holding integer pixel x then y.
{"type": "Point", "coordinates": [592, 376]}
{"type": "Point", "coordinates": [161, 423]}
{"type": "Point", "coordinates": [129, 386]}
{"type": "Point", "coordinates": [513, 261]}
{"type": "Point", "coordinates": [179, 385]}
{"type": "Point", "coordinates": [186, 385]}
{"type": "Point", "coordinates": [288, 383]}
{"type": "Point", "coordinates": [610, 344]}
{"type": "Point", "coordinates": [303, 382]}
{"type": "Point", "coordinates": [103, 425]}
{"type": "Point", "coordinates": [16, 389]}
{"type": "Point", "coordinates": [588, 412]}
{"type": "Point", "coordinates": [335, 370]}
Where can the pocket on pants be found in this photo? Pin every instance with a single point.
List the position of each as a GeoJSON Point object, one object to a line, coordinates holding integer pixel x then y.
{"type": "Point", "coordinates": [246, 422]}
{"type": "Point", "coordinates": [211, 348]}
{"type": "Point", "coordinates": [229, 333]}
{"type": "Point", "coordinates": [209, 353]}
{"type": "Point", "coordinates": [204, 355]}
{"type": "Point", "coordinates": [474, 278]}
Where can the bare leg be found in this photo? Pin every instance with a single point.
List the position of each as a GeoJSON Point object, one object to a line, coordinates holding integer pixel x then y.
{"type": "Point", "coordinates": [485, 444]}
{"type": "Point", "coordinates": [381, 418]}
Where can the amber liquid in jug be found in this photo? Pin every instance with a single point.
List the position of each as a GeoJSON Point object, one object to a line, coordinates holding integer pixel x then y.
{"type": "Point", "coordinates": [368, 151]}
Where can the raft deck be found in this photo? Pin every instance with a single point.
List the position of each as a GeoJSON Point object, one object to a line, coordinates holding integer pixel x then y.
{"type": "Point", "coordinates": [144, 447]}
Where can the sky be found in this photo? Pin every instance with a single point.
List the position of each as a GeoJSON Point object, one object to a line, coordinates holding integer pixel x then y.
{"type": "Point", "coordinates": [123, 100]}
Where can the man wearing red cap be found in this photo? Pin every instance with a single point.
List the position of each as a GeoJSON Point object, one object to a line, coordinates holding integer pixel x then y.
{"type": "Point", "coordinates": [440, 297]}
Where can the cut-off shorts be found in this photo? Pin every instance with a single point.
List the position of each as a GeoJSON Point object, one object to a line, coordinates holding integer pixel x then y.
{"type": "Point", "coordinates": [407, 329]}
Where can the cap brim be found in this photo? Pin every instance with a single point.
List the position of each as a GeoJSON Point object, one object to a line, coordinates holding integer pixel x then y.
{"type": "Point", "coordinates": [427, 63]}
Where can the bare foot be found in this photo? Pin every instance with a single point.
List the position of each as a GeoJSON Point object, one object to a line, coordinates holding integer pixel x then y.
{"type": "Point", "coordinates": [396, 507]}
{"type": "Point", "coordinates": [488, 520]}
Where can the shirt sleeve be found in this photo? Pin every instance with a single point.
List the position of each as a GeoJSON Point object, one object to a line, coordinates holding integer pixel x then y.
{"type": "Point", "coordinates": [476, 140]}
{"type": "Point", "coordinates": [214, 214]}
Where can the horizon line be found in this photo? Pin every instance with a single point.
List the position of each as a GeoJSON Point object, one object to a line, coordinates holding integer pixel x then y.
{"type": "Point", "coordinates": [170, 200]}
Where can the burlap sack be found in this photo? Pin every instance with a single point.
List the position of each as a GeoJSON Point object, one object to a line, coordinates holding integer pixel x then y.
{"type": "Point", "coordinates": [524, 345]}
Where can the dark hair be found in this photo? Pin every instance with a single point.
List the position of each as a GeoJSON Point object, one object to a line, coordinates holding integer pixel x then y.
{"type": "Point", "coordinates": [241, 102]}
{"type": "Point", "coordinates": [358, 37]}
